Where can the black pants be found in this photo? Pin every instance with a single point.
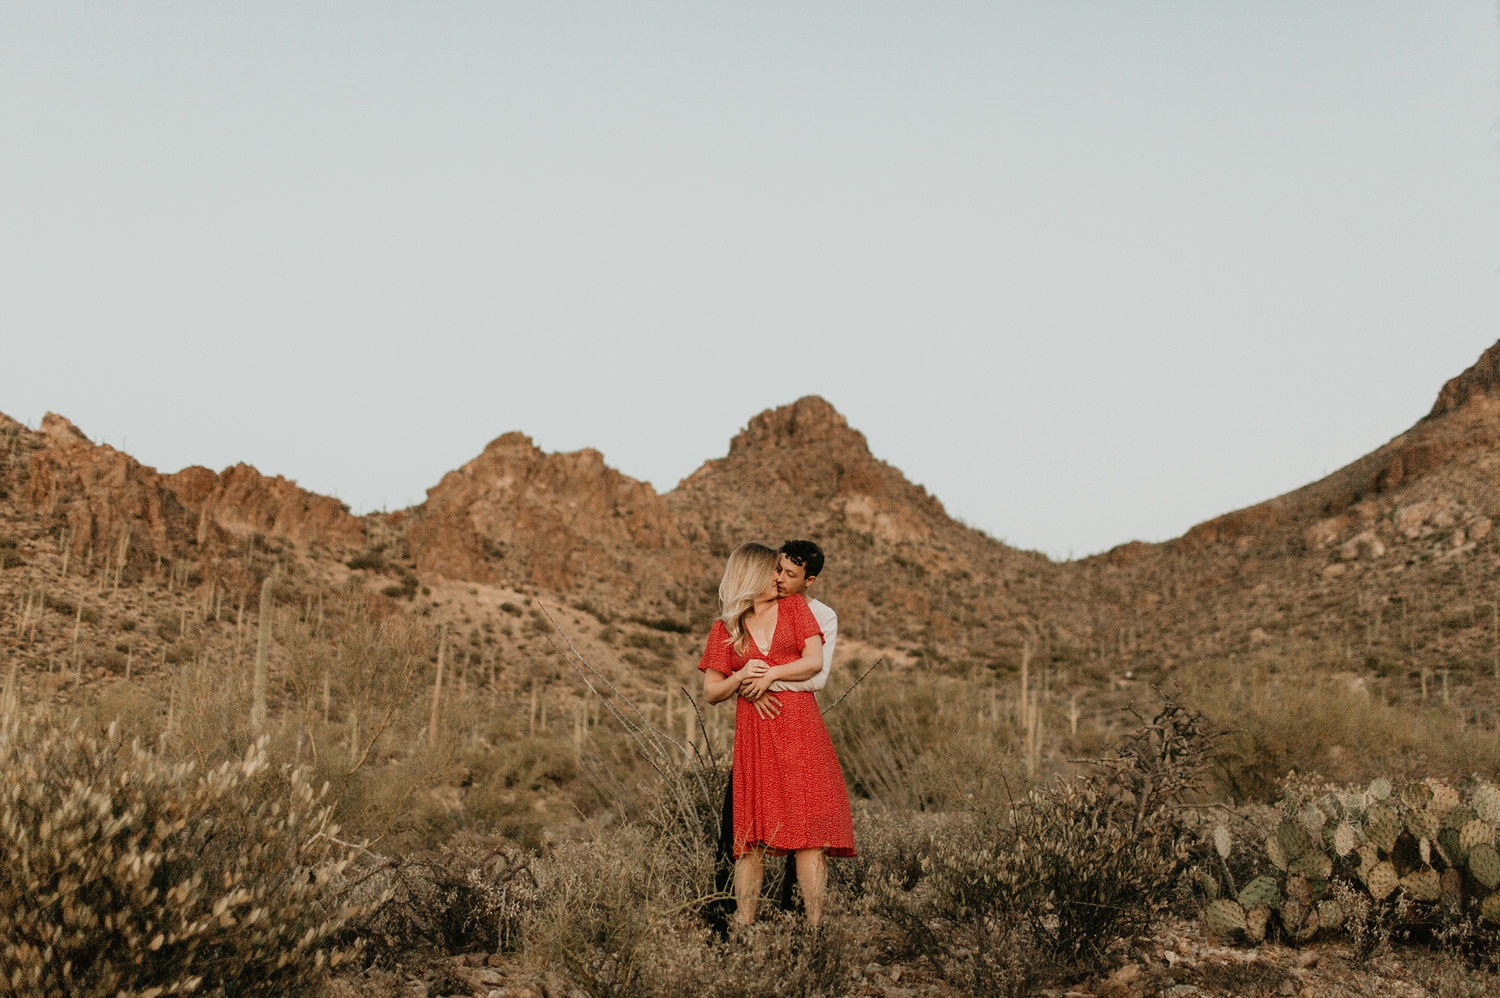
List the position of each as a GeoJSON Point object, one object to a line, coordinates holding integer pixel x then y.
{"type": "Point", "coordinates": [718, 912]}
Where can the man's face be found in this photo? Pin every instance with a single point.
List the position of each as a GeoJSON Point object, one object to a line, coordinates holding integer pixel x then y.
{"type": "Point", "coordinates": [791, 578]}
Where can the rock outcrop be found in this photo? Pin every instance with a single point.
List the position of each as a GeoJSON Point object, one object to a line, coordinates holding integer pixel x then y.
{"type": "Point", "coordinates": [96, 496]}
{"type": "Point", "coordinates": [557, 521]}
{"type": "Point", "coordinates": [1481, 380]}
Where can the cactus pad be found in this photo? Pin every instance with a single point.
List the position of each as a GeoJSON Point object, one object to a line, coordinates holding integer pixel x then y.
{"type": "Point", "coordinates": [1382, 880]}
{"type": "Point", "coordinates": [1475, 833]}
{"type": "Point", "coordinates": [1343, 839]}
{"type": "Point", "coordinates": [1313, 865]}
{"type": "Point", "coordinates": [1422, 824]}
{"type": "Point", "coordinates": [1459, 817]}
{"type": "Point", "coordinates": [1423, 885]}
{"type": "Point", "coordinates": [1490, 909]}
{"type": "Point", "coordinates": [1309, 925]}
{"type": "Point", "coordinates": [1292, 914]}
{"type": "Point", "coordinates": [1209, 884]}
{"type": "Point", "coordinates": [1274, 852]}
{"type": "Point", "coordinates": [1261, 890]}
{"type": "Point", "coordinates": [1452, 886]}
{"type": "Point", "coordinates": [1368, 857]}
{"type": "Point", "coordinates": [1294, 839]}
{"type": "Point", "coordinates": [1312, 820]}
{"type": "Point", "coordinates": [1484, 863]}
{"type": "Point", "coordinates": [1225, 918]}
{"type": "Point", "coordinates": [1451, 843]}
{"type": "Point", "coordinates": [1382, 826]}
{"type": "Point", "coordinates": [1444, 798]}
{"type": "Point", "coordinates": [1416, 795]}
{"type": "Point", "coordinates": [1380, 788]}
{"type": "Point", "coordinates": [1222, 842]}
{"type": "Point", "coordinates": [1487, 802]}
{"type": "Point", "coordinates": [1330, 915]}
{"type": "Point", "coordinates": [1255, 922]}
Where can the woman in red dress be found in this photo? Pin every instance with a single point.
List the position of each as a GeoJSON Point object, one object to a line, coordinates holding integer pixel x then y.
{"type": "Point", "coordinates": [789, 792]}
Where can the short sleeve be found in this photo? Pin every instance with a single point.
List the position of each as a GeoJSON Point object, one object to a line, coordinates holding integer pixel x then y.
{"type": "Point", "coordinates": [804, 624]}
{"type": "Point", "coordinates": [718, 655]}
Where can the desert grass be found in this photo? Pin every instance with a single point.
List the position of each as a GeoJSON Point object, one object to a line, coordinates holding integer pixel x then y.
{"type": "Point", "coordinates": [1300, 708]}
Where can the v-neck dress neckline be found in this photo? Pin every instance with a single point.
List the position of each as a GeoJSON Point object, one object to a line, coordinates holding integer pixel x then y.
{"type": "Point", "coordinates": [772, 642]}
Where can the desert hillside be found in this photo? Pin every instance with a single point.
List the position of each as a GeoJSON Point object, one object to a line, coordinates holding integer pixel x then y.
{"type": "Point", "coordinates": [411, 664]}
{"type": "Point", "coordinates": [1391, 556]}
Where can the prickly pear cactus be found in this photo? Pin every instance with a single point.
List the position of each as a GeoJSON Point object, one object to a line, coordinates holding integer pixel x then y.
{"type": "Point", "coordinates": [1423, 885]}
{"type": "Point", "coordinates": [1382, 880]}
{"type": "Point", "coordinates": [1223, 844]}
{"type": "Point", "coordinates": [1422, 824]}
{"type": "Point", "coordinates": [1382, 826]}
{"type": "Point", "coordinates": [1330, 841]}
{"type": "Point", "coordinates": [1261, 890]}
{"type": "Point", "coordinates": [1475, 833]}
{"type": "Point", "coordinates": [1484, 864]}
{"type": "Point", "coordinates": [1331, 915]}
{"type": "Point", "coordinates": [1343, 839]}
{"type": "Point", "coordinates": [1255, 923]}
{"type": "Point", "coordinates": [1294, 839]}
{"type": "Point", "coordinates": [1275, 853]}
{"type": "Point", "coordinates": [1487, 803]}
{"type": "Point", "coordinates": [1312, 864]}
{"type": "Point", "coordinates": [1225, 918]}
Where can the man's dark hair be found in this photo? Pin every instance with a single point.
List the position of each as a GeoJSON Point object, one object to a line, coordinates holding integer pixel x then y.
{"type": "Point", "coordinates": [804, 553]}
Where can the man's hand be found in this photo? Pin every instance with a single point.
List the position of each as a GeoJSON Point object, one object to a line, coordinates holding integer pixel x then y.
{"type": "Point", "coordinates": [768, 707]}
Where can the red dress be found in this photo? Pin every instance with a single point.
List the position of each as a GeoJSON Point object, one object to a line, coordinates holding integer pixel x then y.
{"type": "Point", "coordinates": [788, 789]}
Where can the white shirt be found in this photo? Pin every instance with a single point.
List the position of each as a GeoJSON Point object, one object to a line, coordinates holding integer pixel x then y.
{"type": "Point", "coordinates": [829, 622]}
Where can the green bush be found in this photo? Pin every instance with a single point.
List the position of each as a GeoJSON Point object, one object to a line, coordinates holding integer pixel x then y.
{"type": "Point", "coordinates": [124, 874]}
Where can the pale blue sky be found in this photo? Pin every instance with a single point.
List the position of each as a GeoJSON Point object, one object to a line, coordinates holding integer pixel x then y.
{"type": "Point", "coordinates": [1089, 272]}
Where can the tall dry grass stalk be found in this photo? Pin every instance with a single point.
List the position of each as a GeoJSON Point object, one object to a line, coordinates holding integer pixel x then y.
{"type": "Point", "coordinates": [262, 655]}
{"type": "Point", "coordinates": [437, 686]}
{"type": "Point", "coordinates": [1295, 709]}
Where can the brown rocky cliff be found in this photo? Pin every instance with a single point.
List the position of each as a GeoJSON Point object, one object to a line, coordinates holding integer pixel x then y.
{"type": "Point", "coordinates": [552, 520]}
{"type": "Point", "coordinates": [1483, 379]}
{"type": "Point", "coordinates": [94, 493]}
{"type": "Point", "coordinates": [800, 468]}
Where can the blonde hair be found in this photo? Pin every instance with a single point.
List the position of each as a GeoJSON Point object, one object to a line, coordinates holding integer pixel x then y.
{"type": "Point", "coordinates": [750, 568]}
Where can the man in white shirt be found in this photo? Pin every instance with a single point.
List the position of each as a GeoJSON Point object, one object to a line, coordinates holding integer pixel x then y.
{"type": "Point", "coordinates": [796, 572]}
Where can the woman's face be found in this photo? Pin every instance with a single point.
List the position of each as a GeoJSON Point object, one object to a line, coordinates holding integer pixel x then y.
{"type": "Point", "coordinates": [768, 591]}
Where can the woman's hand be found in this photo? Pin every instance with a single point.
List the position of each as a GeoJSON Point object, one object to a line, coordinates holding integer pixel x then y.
{"type": "Point", "coordinates": [755, 687]}
{"type": "Point", "coordinates": [753, 669]}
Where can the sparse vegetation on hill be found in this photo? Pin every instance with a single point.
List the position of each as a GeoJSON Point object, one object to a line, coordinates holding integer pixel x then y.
{"type": "Point", "coordinates": [1348, 630]}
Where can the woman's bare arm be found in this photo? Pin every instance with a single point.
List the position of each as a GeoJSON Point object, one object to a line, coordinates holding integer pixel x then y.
{"type": "Point", "coordinates": [718, 687]}
{"type": "Point", "coordinates": [809, 665]}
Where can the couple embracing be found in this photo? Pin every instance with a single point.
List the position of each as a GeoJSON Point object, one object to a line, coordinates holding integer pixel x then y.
{"type": "Point", "coordinates": [769, 651]}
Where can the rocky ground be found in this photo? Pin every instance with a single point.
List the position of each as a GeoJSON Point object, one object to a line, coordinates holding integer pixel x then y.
{"type": "Point", "coordinates": [1180, 961]}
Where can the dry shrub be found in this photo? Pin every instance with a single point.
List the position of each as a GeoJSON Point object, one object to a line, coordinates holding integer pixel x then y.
{"type": "Point", "coordinates": [452, 902]}
{"type": "Point", "coordinates": [920, 743]}
{"type": "Point", "coordinates": [1297, 711]}
{"type": "Point", "coordinates": [620, 919]}
{"type": "Point", "coordinates": [125, 874]}
{"type": "Point", "coordinates": [1058, 874]}
{"type": "Point", "coordinates": [596, 924]}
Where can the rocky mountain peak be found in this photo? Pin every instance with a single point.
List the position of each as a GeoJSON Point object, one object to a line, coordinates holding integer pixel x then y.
{"type": "Point", "coordinates": [1482, 379]}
